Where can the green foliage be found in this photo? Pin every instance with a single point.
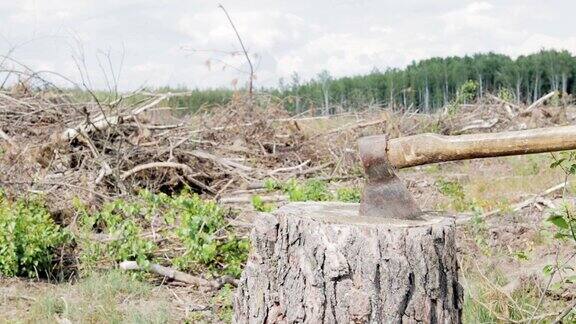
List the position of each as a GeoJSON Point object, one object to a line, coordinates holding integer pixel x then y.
{"type": "Point", "coordinates": [465, 93]}
{"type": "Point", "coordinates": [118, 223]}
{"type": "Point", "coordinates": [223, 303]}
{"type": "Point", "coordinates": [272, 185]}
{"type": "Point", "coordinates": [259, 205]}
{"type": "Point", "coordinates": [349, 194]}
{"type": "Point", "coordinates": [565, 221]}
{"type": "Point", "coordinates": [28, 237]}
{"type": "Point", "coordinates": [199, 228]}
{"type": "Point", "coordinates": [207, 240]}
{"type": "Point", "coordinates": [455, 191]}
{"type": "Point", "coordinates": [425, 85]}
{"type": "Point", "coordinates": [311, 190]}
{"type": "Point", "coordinates": [505, 94]}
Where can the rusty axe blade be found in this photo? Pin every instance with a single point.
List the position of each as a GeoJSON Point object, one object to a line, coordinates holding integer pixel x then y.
{"type": "Point", "coordinates": [386, 196]}
{"type": "Point", "coordinates": [384, 193]}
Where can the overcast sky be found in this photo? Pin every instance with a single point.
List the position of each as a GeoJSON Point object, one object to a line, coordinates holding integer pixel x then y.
{"type": "Point", "coordinates": [178, 42]}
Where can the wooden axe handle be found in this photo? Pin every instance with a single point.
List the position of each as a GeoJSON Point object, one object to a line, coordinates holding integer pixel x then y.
{"type": "Point", "coordinates": [421, 149]}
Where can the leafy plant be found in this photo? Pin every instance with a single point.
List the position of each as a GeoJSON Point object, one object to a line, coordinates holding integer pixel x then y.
{"type": "Point", "coordinates": [259, 205]}
{"type": "Point", "coordinates": [465, 93]}
{"type": "Point", "coordinates": [223, 303]}
{"type": "Point", "coordinates": [117, 222]}
{"type": "Point", "coordinates": [505, 94]}
{"type": "Point", "coordinates": [198, 228]}
{"type": "Point", "coordinates": [455, 191]}
{"type": "Point", "coordinates": [28, 237]}
{"type": "Point", "coordinates": [272, 185]}
{"type": "Point", "coordinates": [348, 194]}
{"type": "Point", "coordinates": [312, 190]}
{"type": "Point", "coordinates": [565, 221]}
{"type": "Point", "coordinates": [206, 238]}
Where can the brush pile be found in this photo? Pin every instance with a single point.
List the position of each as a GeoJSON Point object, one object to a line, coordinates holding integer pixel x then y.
{"type": "Point", "coordinates": [60, 148]}
{"type": "Point", "coordinates": [63, 148]}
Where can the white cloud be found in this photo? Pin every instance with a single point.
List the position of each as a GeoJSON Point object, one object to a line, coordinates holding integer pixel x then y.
{"type": "Point", "coordinates": [343, 37]}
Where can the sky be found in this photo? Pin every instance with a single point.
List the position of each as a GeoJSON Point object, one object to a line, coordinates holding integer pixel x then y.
{"type": "Point", "coordinates": [134, 43]}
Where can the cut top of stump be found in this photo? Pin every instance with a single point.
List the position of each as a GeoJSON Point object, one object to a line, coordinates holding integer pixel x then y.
{"type": "Point", "coordinates": [348, 213]}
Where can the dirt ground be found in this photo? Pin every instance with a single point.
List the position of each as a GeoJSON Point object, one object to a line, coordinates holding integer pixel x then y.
{"type": "Point", "coordinates": [500, 204]}
{"type": "Point", "coordinates": [500, 254]}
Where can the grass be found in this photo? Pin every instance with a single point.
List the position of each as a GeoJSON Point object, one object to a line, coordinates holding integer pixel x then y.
{"type": "Point", "coordinates": [110, 297]}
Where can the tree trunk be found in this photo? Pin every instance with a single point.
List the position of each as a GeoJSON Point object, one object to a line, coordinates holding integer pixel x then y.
{"type": "Point", "coordinates": [518, 93]}
{"type": "Point", "coordinates": [322, 263]}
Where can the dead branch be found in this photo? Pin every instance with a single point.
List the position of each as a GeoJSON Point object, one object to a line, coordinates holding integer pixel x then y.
{"type": "Point", "coordinates": [353, 126]}
{"type": "Point", "coordinates": [479, 124]}
{"type": "Point", "coordinates": [565, 312]}
{"type": "Point", "coordinates": [288, 169]}
{"type": "Point", "coordinates": [220, 160]}
{"type": "Point", "coordinates": [176, 275]}
{"type": "Point", "coordinates": [250, 83]}
{"type": "Point", "coordinates": [152, 165]}
{"type": "Point", "coordinates": [532, 200]}
{"type": "Point", "coordinates": [7, 138]}
{"type": "Point", "coordinates": [102, 121]}
{"type": "Point", "coordinates": [540, 101]}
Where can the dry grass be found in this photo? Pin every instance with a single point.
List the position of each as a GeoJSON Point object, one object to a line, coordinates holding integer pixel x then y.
{"type": "Point", "coordinates": [110, 297]}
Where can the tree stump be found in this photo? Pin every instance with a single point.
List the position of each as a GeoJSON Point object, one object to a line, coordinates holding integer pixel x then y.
{"type": "Point", "coordinates": [322, 263]}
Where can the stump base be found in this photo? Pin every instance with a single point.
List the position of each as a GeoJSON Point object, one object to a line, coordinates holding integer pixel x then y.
{"type": "Point", "coordinates": [322, 263]}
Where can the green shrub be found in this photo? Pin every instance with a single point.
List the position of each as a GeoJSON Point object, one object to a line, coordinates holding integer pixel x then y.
{"type": "Point", "coordinates": [206, 237]}
{"type": "Point", "coordinates": [198, 233]}
{"type": "Point", "coordinates": [28, 237]}
{"type": "Point", "coordinates": [455, 191]}
{"type": "Point", "coordinates": [311, 190]}
{"type": "Point", "coordinates": [259, 205]}
{"type": "Point", "coordinates": [118, 222]}
{"type": "Point", "coordinates": [348, 195]}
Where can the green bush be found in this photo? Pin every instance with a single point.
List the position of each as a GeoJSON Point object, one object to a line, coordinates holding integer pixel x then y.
{"type": "Point", "coordinates": [455, 191]}
{"type": "Point", "coordinates": [259, 205]}
{"type": "Point", "coordinates": [28, 237]}
{"type": "Point", "coordinates": [351, 195]}
{"type": "Point", "coordinates": [118, 221]}
{"type": "Point", "coordinates": [311, 190]}
{"type": "Point", "coordinates": [197, 232]}
{"type": "Point", "coordinates": [207, 240]}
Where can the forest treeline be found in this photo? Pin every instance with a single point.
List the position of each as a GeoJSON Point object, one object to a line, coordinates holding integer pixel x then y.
{"type": "Point", "coordinates": [425, 85]}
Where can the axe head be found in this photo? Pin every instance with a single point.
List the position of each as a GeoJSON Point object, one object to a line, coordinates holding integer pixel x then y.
{"type": "Point", "coordinates": [384, 194]}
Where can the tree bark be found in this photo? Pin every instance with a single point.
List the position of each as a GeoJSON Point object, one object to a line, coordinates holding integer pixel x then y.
{"type": "Point", "coordinates": [322, 263]}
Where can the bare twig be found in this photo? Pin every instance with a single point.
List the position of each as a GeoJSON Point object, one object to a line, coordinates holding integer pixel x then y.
{"type": "Point", "coordinates": [250, 87]}
{"type": "Point", "coordinates": [540, 101]}
{"type": "Point", "coordinates": [186, 169]}
{"type": "Point", "coordinates": [180, 276]}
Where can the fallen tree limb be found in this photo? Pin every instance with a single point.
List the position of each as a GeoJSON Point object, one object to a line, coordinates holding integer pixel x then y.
{"type": "Point", "coordinates": [154, 165]}
{"type": "Point", "coordinates": [518, 206]}
{"type": "Point", "coordinates": [540, 101]}
{"type": "Point", "coordinates": [351, 127]}
{"type": "Point", "coordinates": [480, 124]}
{"type": "Point", "coordinates": [565, 312]}
{"type": "Point", "coordinates": [247, 200]}
{"type": "Point", "coordinates": [502, 101]}
{"type": "Point", "coordinates": [7, 138]}
{"type": "Point", "coordinates": [180, 276]}
{"type": "Point", "coordinates": [220, 160]}
{"type": "Point", "coordinates": [288, 169]}
{"type": "Point", "coordinates": [103, 122]}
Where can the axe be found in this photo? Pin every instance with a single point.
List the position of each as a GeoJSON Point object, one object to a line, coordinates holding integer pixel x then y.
{"type": "Point", "coordinates": [385, 195]}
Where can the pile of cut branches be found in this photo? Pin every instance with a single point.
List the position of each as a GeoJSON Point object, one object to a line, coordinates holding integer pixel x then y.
{"type": "Point", "coordinates": [61, 148]}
